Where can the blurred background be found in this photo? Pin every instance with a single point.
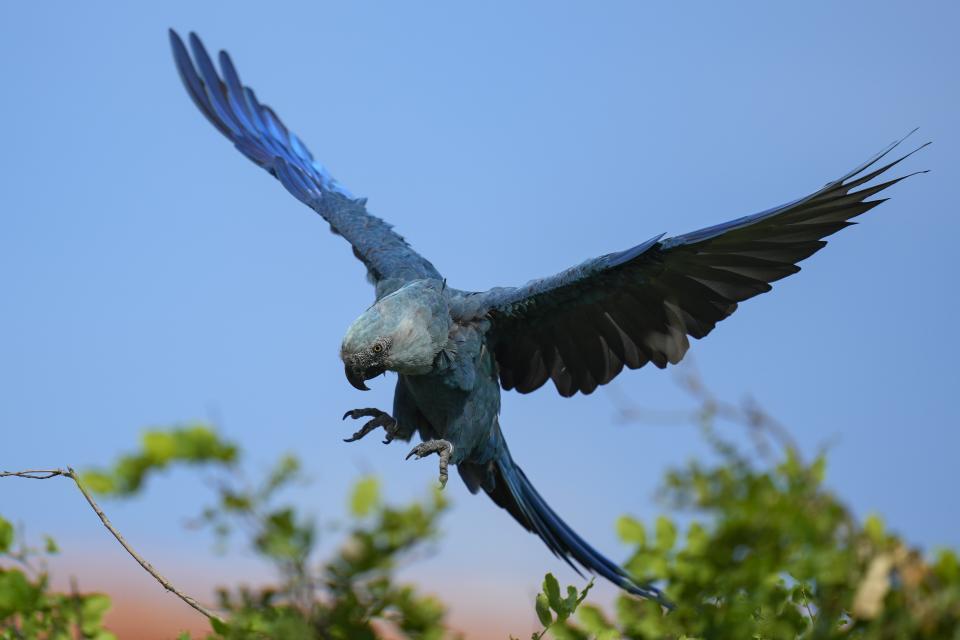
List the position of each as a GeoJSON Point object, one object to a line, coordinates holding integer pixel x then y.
{"type": "Point", "coordinates": [151, 274]}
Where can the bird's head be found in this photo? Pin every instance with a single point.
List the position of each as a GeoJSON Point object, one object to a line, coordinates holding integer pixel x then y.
{"type": "Point", "coordinates": [401, 332]}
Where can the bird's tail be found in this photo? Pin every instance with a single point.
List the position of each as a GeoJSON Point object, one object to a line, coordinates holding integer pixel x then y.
{"type": "Point", "coordinates": [508, 486]}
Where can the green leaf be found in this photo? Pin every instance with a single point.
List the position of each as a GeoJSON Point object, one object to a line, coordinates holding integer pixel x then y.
{"type": "Point", "coordinates": [586, 590]}
{"type": "Point", "coordinates": [159, 446]}
{"type": "Point", "coordinates": [947, 566]}
{"type": "Point", "coordinates": [17, 595]}
{"type": "Point", "coordinates": [6, 535]}
{"type": "Point", "coordinates": [193, 443]}
{"type": "Point", "coordinates": [873, 527]}
{"type": "Point", "coordinates": [220, 626]}
{"type": "Point", "coordinates": [286, 470]}
{"type": "Point", "coordinates": [666, 534]}
{"type": "Point", "coordinates": [50, 545]}
{"type": "Point", "coordinates": [543, 610]}
{"type": "Point", "coordinates": [594, 621]}
{"type": "Point", "coordinates": [818, 468]}
{"type": "Point", "coordinates": [283, 538]}
{"type": "Point", "coordinates": [94, 606]}
{"type": "Point", "coordinates": [698, 539]}
{"type": "Point", "coordinates": [365, 496]}
{"type": "Point", "coordinates": [198, 442]}
{"type": "Point", "coordinates": [551, 589]}
{"type": "Point", "coordinates": [98, 481]}
{"type": "Point", "coordinates": [631, 531]}
{"type": "Point", "coordinates": [570, 602]}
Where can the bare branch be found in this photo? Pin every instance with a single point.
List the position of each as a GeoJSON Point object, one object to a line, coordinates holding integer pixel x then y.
{"type": "Point", "coordinates": [34, 474]}
{"type": "Point", "coordinates": [762, 428]}
{"type": "Point", "coordinates": [44, 474]}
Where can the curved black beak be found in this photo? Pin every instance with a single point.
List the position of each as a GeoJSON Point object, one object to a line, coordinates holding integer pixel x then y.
{"type": "Point", "coordinates": [355, 378]}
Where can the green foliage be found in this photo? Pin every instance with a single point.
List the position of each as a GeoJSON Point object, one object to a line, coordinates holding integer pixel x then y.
{"type": "Point", "coordinates": [365, 497]}
{"type": "Point", "coordinates": [29, 609]}
{"type": "Point", "coordinates": [352, 595]}
{"type": "Point", "coordinates": [774, 555]}
{"type": "Point", "coordinates": [358, 577]}
{"type": "Point", "coordinates": [762, 551]}
{"type": "Point", "coordinates": [6, 535]}
{"type": "Point", "coordinates": [359, 595]}
{"type": "Point", "coordinates": [553, 608]}
{"type": "Point", "coordinates": [195, 443]}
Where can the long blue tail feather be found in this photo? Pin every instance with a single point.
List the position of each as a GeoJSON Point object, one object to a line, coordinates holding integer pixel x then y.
{"type": "Point", "coordinates": [513, 491]}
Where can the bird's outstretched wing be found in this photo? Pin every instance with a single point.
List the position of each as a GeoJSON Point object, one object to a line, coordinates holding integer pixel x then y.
{"type": "Point", "coordinates": [260, 135]}
{"type": "Point", "coordinates": [582, 326]}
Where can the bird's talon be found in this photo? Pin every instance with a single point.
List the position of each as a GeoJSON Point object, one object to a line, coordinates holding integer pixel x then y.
{"type": "Point", "coordinates": [377, 419]}
{"type": "Point", "coordinates": [442, 448]}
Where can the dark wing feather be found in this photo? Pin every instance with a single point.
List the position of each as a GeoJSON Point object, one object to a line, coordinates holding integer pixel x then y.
{"type": "Point", "coordinates": [581, 327]}
{"type": "Point", "coordinates": [260, 135]}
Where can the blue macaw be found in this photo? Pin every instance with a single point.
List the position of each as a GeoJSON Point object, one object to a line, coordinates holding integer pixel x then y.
{"type": "Point", "coordinates": [453, 350]}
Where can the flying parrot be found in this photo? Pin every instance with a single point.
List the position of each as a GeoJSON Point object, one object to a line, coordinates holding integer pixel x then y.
{"type": "Point", "coordinates": [454, 350]}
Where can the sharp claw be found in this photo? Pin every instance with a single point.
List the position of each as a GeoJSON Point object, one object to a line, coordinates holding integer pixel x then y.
{"type": "Point", "coordinates": [377, 419]}
{"type": "Point", "coordinates": [442, 448]}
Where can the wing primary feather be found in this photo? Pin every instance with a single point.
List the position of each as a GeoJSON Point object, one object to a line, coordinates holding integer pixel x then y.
{"type": "Point", "coordinates": [261, 136]}
{"type": "Point", "coordinates": [193, 83]}
{"type": "Point", "coordinates": [639, 305]}
{"type": "Point", "coordinates": [213, 84]}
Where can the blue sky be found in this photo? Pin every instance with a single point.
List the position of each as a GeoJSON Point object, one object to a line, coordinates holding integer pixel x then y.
{"type": "Point", "coordinates": [151, 274]}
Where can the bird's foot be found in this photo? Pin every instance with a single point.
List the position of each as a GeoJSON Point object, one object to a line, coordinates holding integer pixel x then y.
{"type": "Point", "coordinates": [377, 419]}
{"type": "Point", "coordinates": [441, 447]}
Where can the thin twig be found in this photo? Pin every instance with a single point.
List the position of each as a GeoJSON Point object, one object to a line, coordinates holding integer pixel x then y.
{"type": "Point", "coordinates": [806, 604]}
{"type": "Point", "coordinates": [759, 422]}
{"type": "Point", "coordinates": [34, 474]}
{"type": "Point", "coordinates": [43, 474]}
{"type": "Point", "coordinates": [762, 428]}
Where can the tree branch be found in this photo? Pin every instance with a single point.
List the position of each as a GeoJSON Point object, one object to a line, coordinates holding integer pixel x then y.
{"type": "Point", "coordinates": [34, 474]}
{"type": "Point", "coordinates": [762, 428]}
{"type": "Point", "coordinates": [44, 474]}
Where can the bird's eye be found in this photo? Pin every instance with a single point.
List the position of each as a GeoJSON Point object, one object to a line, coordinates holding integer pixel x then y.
{"type": "Point", "coordinates": [377, 348]}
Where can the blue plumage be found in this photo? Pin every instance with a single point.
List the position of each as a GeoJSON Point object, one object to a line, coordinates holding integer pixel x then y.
{"type": "Point", "coordinates": [453, 350]}
{"type": "Point", "coordinates": [260, 135]}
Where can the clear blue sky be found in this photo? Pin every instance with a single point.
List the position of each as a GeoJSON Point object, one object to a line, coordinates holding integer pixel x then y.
{"type": "Point", "coordinates": [151, 274]}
